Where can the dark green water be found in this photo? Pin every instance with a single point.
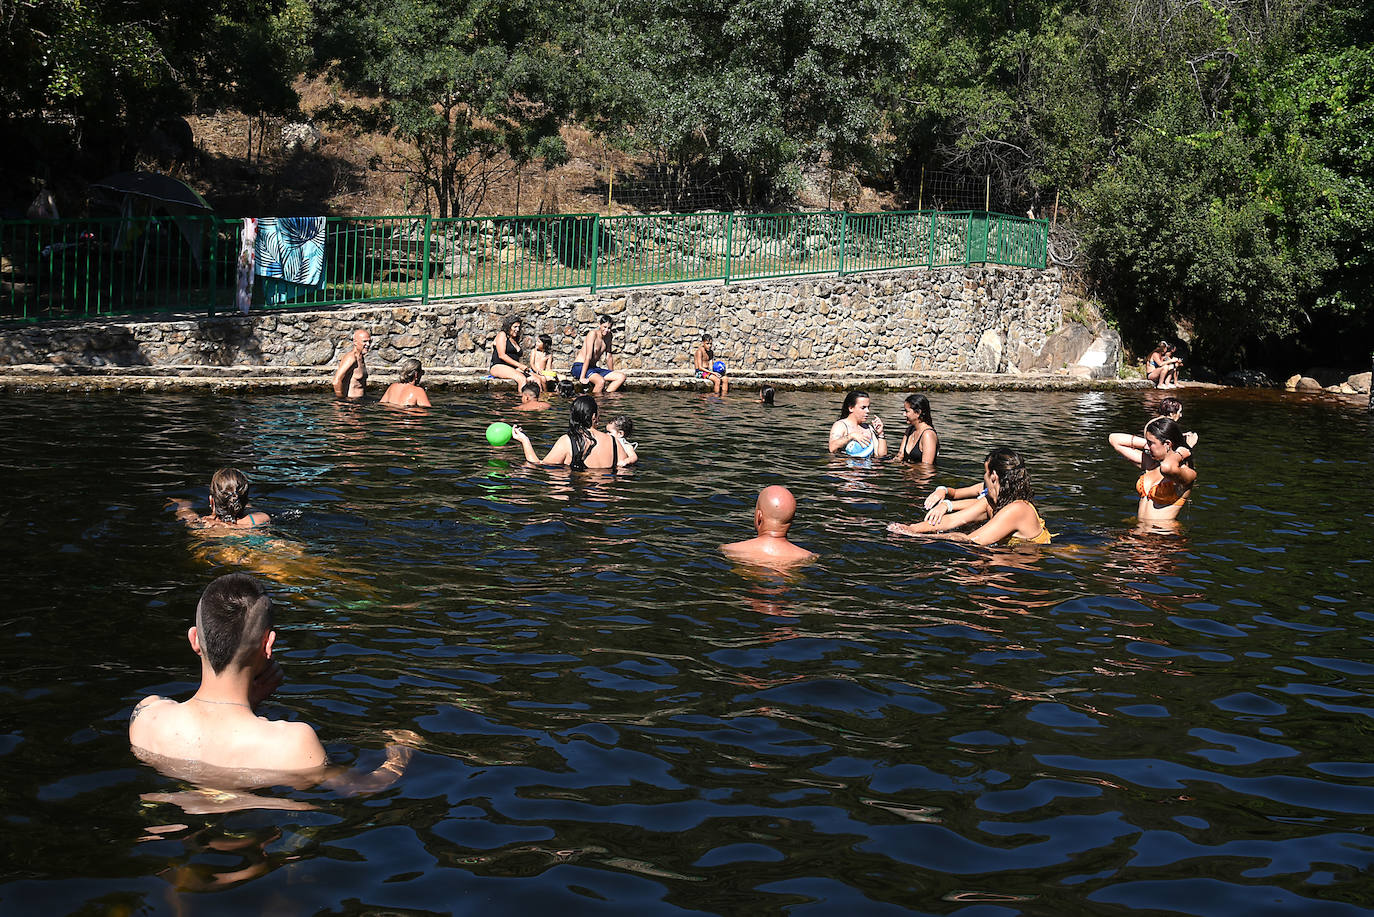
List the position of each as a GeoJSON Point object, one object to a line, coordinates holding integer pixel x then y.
{"type": "Point", "coordinates": [617, 721]}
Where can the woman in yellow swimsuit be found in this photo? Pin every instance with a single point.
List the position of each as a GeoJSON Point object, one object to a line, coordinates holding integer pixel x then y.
{"type": "Point", "coordinates": [1166, 467]}
{"type": "Point", "coordinates": [1005, 505]}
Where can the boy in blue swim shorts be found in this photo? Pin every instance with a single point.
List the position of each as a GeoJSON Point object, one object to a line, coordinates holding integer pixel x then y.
{"type": "Point", "coordinates": [597, 349]}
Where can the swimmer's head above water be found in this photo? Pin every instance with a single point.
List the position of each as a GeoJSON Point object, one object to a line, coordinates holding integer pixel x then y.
{"type": "Point", "coordinates": [411, 371]}
{"type": "Point", "coordinates": [233, 619]}
{"type": "Point", "coordinates": [228, 494]}
{"type": "Point", "coordinates": [1006, 477]}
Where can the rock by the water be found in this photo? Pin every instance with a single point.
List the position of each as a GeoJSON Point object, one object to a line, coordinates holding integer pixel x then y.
{"type": "Point", "coordinates": [1251, 378]}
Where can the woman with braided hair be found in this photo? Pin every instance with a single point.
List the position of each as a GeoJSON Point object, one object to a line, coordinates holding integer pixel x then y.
{"type": "Point", "coordinates": [1004, 504]}
{"type": "Point", "coordinates": [228, 504]}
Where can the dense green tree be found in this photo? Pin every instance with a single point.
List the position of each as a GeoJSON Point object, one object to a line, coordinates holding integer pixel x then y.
{"type": "Point", "coordinates": [754, 86]}
{"type": "Point", "coordinates": [464, 81]}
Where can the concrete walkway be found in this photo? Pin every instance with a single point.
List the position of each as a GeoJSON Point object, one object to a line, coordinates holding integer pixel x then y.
{"type": "Point", "coordinates": [36, 377]}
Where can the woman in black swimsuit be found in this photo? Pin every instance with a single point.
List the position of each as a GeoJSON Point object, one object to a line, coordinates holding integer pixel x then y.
{"type": "Point", "coordinates": [583, 446]}
{"type": "Point", "coordinates": [921, 443]}
{"type": "Point", "coordinates": [506, 353]}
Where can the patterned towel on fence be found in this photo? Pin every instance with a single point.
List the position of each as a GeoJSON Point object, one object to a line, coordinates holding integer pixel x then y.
{"type": "Point", "coordinates": [291, 248]}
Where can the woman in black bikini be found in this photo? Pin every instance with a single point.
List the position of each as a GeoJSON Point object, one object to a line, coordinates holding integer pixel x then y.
{"type": "Point", "coordinates": [583, 446]}
{"type": "Point", "coordinates": [921, 444]}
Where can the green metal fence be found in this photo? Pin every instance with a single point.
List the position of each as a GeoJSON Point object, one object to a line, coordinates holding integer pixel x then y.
{"type": "Point", "coordinates": [56, 269]}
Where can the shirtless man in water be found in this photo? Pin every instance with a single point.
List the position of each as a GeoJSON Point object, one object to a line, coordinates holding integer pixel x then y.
{"type": "Point", "coordinates": [350, 379]}
{"type": "Point", "coordinates": [218, 727]}
{"type": "Point", "coordinates": [596, 349]}
{"type": "Point", "coordinates": [773, 514]}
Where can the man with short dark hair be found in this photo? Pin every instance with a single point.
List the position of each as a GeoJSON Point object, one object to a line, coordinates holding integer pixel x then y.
{"type": "Point", "coordinates": [597, 347]}
{"type": "Point", "coordinates": [233, 636]}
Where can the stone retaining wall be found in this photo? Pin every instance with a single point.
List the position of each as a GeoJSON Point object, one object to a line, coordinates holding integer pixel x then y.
{"type": "Point", "coordinates": [900, 320]}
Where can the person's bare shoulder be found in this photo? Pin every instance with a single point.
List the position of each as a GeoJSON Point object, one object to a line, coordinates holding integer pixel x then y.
{"type": "Point", "coordinates": [145, 718]}
{"type": "Point", "coordinates": [295, 746]}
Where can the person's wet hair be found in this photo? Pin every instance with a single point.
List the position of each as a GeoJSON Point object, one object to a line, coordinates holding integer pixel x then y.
{"type": "Point", "coordinates": [1013, 480]}
{"type": "Point", "coordinates": [1166, 429]}
{"type": "Point", "coordinates": [580, 420]}
{"type": "Point", "coordinates": [547, 341]}
{"type": "Point", "coordinates": [233, 615]}
{"type": "Point", "coordinates": [706, 337]}
{"type": "Point", "coordinates": [229, 494]}
{"type": "Point", "coordinates": [531, 388]}
{"type": "Point", "coordinates": [1171, 407]}
{"type": "Point", "coordinates": [921, 405]}
{"type": "Point", "coordinates": [604, 319]}
{"type": "Point", "coordinates": [625, 425]}
{"type": "Point", "coordinates": [411, 370]}
{"type": "Point", "coordinates": [566, 388]}
{"type": "Point", "coordinates": [849, 401]}
{"type": "Point", "coordinates": [766, 396]}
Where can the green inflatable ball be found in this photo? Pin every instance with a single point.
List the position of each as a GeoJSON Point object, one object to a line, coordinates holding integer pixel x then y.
{"type": "Point", "coordinates": [498, 434]}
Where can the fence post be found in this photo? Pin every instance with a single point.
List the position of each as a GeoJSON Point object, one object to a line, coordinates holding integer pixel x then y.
{"type": "Point", "coordinates": [424, 271]}
{"type": "Point", "coordinates": [214, 273]}
{"type": "Point", "coordinates": [844, 222]}
{"type": "Point", "coordinates": [729, 245]}
{"type": "Point", "coordinates": [931, 261]}
{"type": "Point", "coordinates": [596, 246]}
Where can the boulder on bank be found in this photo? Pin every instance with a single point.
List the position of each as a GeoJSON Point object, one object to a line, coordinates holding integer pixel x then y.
{"type": "Point", "coordinates": [1083, 352]}
{"type": "Point", "coordinates": [1301, 383]}
{"type": "Point", "coordinates": [1248, 378]}
{"type": "Point", "coordinates": [987, 356]}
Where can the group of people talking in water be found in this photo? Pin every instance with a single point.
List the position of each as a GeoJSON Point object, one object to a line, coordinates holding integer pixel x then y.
{"type": "Point", "coordinates": [1002, 505]}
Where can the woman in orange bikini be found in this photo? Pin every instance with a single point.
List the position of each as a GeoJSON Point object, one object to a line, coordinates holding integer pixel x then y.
{"type": "Point", "coordinates": [1166, 467]}
{"type": "Point", "coordinates": [1004, 506]}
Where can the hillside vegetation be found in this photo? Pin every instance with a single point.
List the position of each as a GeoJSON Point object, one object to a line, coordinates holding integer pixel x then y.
{"type": "Point", "coordinates": [1210, 162]}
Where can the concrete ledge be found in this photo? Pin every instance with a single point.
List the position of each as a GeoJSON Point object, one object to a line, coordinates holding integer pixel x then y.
{"type": "Point", "coordinates": [42, 377]}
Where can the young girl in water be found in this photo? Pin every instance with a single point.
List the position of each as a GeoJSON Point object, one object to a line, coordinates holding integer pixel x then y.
{"type": "Point", "coordinates": [1166, 475]}
{"type": "Point", "coordinates": [1004, 503]}
{"type": "Point", "coordinates": [622, 428]}
{"type": "Point", "coordinates": [228, 504]}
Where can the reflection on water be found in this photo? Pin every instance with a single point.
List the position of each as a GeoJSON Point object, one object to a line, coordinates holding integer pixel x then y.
{"type": "Point", "coordinates": [616, 717]}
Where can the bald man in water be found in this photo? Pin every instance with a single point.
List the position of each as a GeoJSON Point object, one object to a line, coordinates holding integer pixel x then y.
{"type": "Point", "coordinates": [773, 514]}
{"type": "Point", "coordinates": [350, 379]}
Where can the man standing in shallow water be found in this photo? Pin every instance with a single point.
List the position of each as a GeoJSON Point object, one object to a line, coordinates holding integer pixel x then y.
{"type": "Point", "coordinates": [773, 514]}
{"type": "Point", "coordinates": [233, 636]}
{"type": "Point", "coordinates": [350, 379]}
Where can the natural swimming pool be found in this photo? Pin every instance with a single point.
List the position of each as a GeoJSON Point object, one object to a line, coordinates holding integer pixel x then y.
{"type": "Point", "coordinates": [617, 720]}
